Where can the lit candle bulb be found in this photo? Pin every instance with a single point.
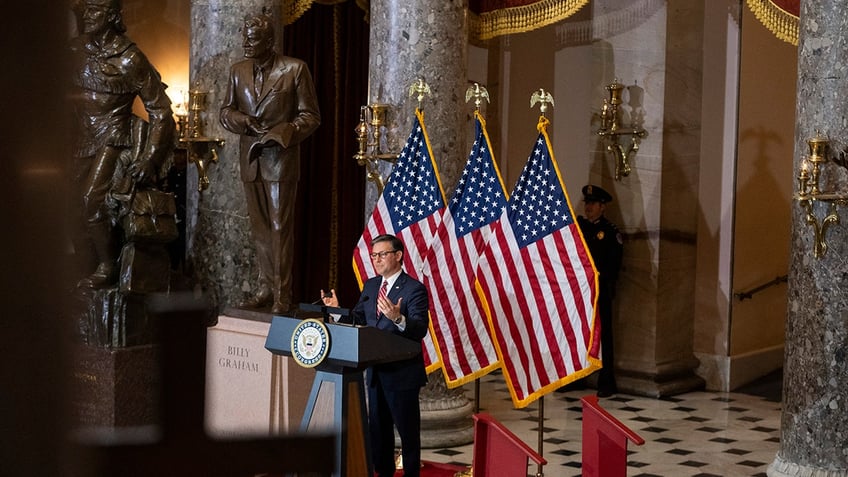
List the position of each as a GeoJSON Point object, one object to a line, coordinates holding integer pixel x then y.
{"type": "Point", "coordinates": [803, 177]}
{"type": "Point", "coordinates": [180, 104]}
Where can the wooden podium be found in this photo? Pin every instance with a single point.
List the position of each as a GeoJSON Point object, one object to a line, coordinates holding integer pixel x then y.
{"type": "Point", "coordinates": [337, 401]}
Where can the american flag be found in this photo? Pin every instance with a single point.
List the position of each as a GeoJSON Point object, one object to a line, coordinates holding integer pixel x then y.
{"type": "Point", "coordinates": [410, 208]}
{"type": "Point", "coordinates": [540, 284]}
{"type": "Point", "coordinates": [459, 324]}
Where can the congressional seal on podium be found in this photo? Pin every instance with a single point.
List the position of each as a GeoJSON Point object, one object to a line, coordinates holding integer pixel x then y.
{"type": "Point", "coordinates": [310, 343]}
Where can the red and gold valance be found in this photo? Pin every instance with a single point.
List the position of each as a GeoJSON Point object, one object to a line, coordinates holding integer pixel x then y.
{"type": "Point", "coordinates": [491, 18]}
{"type": "Point", "coordinates": [294, 9]}
{"type": "Point", "coordinates": [488, 19]}
{"type": "Point", "coordinates": [779, 16]}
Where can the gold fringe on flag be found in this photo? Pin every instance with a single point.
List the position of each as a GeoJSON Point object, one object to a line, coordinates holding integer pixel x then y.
{"type": "Point", "coordinates": [782, 23]}
{"type": "Point", "coordinates": [522, 19]}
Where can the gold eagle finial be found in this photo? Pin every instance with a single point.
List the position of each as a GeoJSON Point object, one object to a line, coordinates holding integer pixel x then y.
{"type": "Point", "coordinates": [477, 92]}
{"type": "Point", "coordinates": [543, 97]}
{"type": "Point", "coordinates": [421, 88]}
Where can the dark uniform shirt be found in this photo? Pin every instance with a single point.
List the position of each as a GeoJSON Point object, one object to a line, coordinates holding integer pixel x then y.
{"type": "Point", "coordinates": [606, 246]}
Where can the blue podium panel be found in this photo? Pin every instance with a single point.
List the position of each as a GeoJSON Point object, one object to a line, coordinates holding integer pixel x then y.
{"type": "Point", "coordinates": [350, 346]}
{"type": "Point", "coordinates": [337, 401]}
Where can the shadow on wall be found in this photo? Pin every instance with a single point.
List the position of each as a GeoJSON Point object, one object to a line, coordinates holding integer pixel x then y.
{"type": "Point", "coordinates": [769, 387]}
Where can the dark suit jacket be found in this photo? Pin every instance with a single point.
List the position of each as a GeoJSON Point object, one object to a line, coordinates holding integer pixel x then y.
{"type": "Point", "coordinates": [287, 105]}
{"type": "Point", "coordinates": [406, 374]}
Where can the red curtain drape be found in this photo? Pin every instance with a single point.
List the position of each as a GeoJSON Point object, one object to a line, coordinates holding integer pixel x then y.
{"type": "Point", "coordinates": [793, 7]}
{"type": "Point", "coordinates": [333, 40]}
{"type": "Point", "coordinates": [779, 16]}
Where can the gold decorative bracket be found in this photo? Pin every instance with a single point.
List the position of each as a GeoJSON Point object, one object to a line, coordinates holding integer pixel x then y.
{"type": "Point", "coordinates": [622, 142]}
{"type": "Point", "coordinates": [370, 142]}
{"type": "Point", "coordinates": [809, 191]}
{"type": "Point", "coordinates": [200, 149]}
{"type": "Point", "coordinates": [820, 230]}
{"type": "Point", "coordinates": [369, 135]}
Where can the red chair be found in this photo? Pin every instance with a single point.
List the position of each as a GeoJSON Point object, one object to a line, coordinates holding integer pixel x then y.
{"type": "Point", "coordinates": [497, 451]}
{"type": "Point", "coordinates": [604, 441]}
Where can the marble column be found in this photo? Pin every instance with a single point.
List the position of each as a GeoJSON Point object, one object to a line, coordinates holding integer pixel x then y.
{"type": "Point", "coordinates": [220, 253]}
{"type": "Point", "coordinates": [656, 206]}
{"type": "Point", "coordinates": [814, 423]}
{"type": "Point", "coordinates": [426, 39]}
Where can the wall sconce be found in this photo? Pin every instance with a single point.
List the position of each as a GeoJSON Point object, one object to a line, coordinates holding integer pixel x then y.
{"type": "Point", "coordinates": [809, 191]}
{"type": "Point", "coordinates": [200, 149]}
{"type": "Point", "coordinates": [370, 142]}
{"type": "Point", "coordinates": [622, 142]}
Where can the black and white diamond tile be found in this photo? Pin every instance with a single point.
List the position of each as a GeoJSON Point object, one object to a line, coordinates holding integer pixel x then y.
{"type": "Point", "coordinates": [697, 434]}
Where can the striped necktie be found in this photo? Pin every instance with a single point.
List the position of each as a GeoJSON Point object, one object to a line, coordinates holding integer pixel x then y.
{"type": "Point", "coordinates": [384, 293]}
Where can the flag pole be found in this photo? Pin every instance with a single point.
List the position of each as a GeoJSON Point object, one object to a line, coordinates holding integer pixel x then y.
{"type": "Point", "coordinates": [543, 97]}
{"type": "Point", "coordinates": [478, 93]}
{"type": "Point", "coordinates": [539, 472]}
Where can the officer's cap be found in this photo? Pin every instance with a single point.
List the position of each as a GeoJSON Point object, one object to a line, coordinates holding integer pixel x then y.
{"type": "Point", "coordinates": [593, 193]}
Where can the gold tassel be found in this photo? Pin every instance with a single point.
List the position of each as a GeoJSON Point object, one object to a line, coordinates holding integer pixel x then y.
{"type": "Point", "coordinates": [294, 9]}
{"type": "Point", "coordinates": [783, 24]}
{"type": "Point", "coordinates": [522, 19]}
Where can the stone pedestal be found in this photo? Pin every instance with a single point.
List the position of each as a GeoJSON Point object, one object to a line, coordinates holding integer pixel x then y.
{"type": "Point", "coordinates": [116, 387]}
{"type": "Point", "coordinates": [445, 415]}
{"type": "Point", "coordinates": [248, 389]}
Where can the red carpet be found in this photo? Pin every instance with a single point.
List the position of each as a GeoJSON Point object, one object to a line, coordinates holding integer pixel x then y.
{"type": "Point", "coordinates": [434, 469]}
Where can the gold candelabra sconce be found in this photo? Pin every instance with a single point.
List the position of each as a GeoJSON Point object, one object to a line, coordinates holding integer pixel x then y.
{"type": "Point", "coordinates": [620, 140]}
{"type": "Point", "coordinates": [371, 139]}
{"type": "Point", "coordinates": [201, 150]}
{"type": "Point", "coordinates": [369, 136]}
{"type": "Point", "coordinates": [809, 191]}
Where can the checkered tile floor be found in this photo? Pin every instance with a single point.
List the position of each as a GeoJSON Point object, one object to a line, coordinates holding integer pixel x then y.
{"type": "Point", "coordinates": [699, 434]}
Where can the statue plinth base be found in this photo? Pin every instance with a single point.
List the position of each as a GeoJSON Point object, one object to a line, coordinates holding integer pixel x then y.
{"type": "Point", "coordinates": [250, 391]}
{"type": "Point", "coordinates": [116, 387]}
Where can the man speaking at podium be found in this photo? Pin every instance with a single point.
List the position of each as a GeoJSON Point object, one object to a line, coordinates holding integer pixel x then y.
{"type": "Point", "coordinates": [396, 303]}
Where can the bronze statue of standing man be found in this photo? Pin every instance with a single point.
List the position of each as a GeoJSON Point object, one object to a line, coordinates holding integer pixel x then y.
{"type": "Point", "coordinates": [109, 73]}
{"type": "Point", "coordinates": [271, 104]}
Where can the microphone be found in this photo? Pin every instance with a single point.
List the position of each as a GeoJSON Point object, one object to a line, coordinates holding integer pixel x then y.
{"type": "Point", "coordinates": [320, 301]}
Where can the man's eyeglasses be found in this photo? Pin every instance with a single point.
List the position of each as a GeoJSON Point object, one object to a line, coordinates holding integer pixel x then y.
{"type": "Point", "coordinates": [382, 255]}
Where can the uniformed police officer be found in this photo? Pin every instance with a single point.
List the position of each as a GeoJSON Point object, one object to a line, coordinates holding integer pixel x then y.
{"type": "Point", "coordinates": [605, 245]}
